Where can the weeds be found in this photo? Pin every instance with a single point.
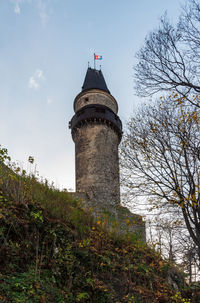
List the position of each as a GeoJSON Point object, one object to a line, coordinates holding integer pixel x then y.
{"type": "Point", "coordinates": [53, 251]}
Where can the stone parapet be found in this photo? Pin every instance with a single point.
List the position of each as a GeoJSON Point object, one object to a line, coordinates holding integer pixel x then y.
{"type": "Point", "coordinates": [95, 96]}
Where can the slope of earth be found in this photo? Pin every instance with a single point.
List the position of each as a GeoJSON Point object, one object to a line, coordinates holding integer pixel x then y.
{"type": "Point", "coordinates": [51, 250]}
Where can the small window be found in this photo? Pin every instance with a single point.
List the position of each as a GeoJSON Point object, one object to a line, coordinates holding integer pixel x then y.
{"type": "Point", "coordinates": [86, 99]}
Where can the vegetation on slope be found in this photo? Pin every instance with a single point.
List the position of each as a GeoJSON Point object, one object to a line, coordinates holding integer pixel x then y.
{"type": "Point", "coordinates": [54, 251]}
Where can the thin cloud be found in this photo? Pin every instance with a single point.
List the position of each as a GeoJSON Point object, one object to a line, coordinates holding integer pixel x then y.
{"type": "Point", "coordinates": [49, 100]}
{"type": "Point", "coordinates": [42, 11]}
{"type": "Point", "coordinates": [36, 79]}
{"type": "Point", "coordinates": [17, 3]}
{"type": "Point", "coordinates": [39, 74]}
{"type": "Point", "coordinates": [17, 9]}
{"type": "Point", "coordinates": [40, 5]}
{"type": "Point", "coordinates": [33, 83]}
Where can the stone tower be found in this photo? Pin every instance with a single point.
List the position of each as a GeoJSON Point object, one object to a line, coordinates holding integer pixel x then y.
{"type": "Point", "coordinates": [96, 130]}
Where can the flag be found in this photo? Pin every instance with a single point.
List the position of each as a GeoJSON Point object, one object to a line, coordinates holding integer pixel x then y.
{"type": "Point", "coordinates": [97, 57]}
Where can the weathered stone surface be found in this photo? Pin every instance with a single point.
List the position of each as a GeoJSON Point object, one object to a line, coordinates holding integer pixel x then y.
{"type": "Point", "coordinates": [97, 163]}
{"type": "Point", "coordinates": [95, 96]}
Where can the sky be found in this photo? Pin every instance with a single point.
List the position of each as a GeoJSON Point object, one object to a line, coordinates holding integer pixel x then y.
{"type": "Point", "coordinates": [45, 47]}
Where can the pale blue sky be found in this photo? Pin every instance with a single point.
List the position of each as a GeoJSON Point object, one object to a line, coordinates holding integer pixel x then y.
{"type": "Point", "coordinates": [45, 46]}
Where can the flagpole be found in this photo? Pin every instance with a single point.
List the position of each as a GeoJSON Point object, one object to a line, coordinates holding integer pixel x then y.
{"type": "Point", "coordinates": [94, 62]}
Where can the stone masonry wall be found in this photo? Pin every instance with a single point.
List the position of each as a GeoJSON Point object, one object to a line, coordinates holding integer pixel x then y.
{"type": "Point", "coordinates": [97, 163]}
{"type": "Point", "coordinates": [95, 97]}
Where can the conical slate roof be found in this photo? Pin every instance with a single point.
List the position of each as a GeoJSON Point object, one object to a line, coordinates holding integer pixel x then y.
{"type": "Point", "coordinates": [94, 79]}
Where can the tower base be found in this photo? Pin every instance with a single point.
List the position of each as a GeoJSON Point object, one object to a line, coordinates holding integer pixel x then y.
{"type": "Point", "coordinates": [115, 218]}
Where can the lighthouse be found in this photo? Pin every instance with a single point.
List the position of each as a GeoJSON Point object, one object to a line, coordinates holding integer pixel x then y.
{"type": "Point", "coordinates": [96, 131]}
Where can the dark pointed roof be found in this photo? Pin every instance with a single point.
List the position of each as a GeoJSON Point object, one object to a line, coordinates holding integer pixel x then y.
{"type": "Point", "coordinates": [94, 79]}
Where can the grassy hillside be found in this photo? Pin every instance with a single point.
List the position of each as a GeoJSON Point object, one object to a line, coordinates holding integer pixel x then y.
{"type": "Point", "coordinates": [51, 250]}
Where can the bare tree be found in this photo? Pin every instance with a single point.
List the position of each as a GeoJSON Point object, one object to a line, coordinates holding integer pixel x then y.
{"type": "Point", "coordinates": [188, 255]}
{"type": "Point", "coordinates": [165, 231]}
{"type": "Point", "coordinates": [160, 159]}
{"type": "Point", "coordinates": [169, 59]}
{"type": "Point", "coordinates": [170, 237]}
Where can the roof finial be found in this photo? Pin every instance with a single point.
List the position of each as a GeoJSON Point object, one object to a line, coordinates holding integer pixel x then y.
{"type": "Point", "coordinates": [94, 61]}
